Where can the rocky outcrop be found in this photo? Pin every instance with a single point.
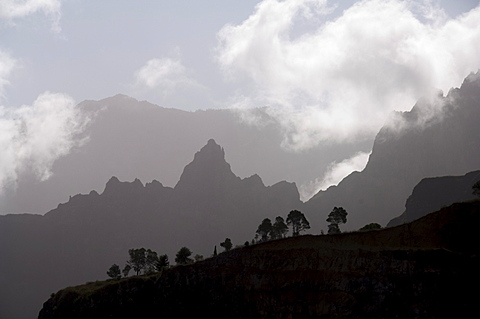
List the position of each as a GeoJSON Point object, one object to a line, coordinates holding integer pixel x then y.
{"type": "Point", "coordinates": [431, 194]}
{"type": "Point", "coordinates": [425, 269]}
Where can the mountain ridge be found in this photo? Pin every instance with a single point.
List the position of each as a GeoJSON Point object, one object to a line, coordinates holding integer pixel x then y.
{"type": "Point", "coordinates": [401, 158]}
{"type": "Point", "coordinates": [407, 271]}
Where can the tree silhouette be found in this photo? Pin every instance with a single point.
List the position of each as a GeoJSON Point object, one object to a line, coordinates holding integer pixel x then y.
{"type": "Point", "coordinates": [298, 222]}
{"type": "Point", "coordinates": [264, 229]}
{"type": "Point", "coordinates": [370, 226]}
{"type": "Point", "coordinates": [183, 256]}
{"type": "Point", "coordinates": [151, 260]}
{"type": "Point", "coordinates": [137, 259]}
{"type": "Point", "coordinates": [114, 272]}
{"type": "Point", "coordinates": [126, 270]}
{"type": "Point", "coordinates": [227, 244]}
{"type": "Point", "coordinates": [279, 229]}
{"type": "Point", "coordinates": [476, 188]}
{"type": "Point", "coordinates": [336, 217]}
{"type": "Point", "coordinates": [162, 262]}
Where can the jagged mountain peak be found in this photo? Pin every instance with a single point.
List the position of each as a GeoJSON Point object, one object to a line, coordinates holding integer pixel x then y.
{"type": "Point", "coordinates": [211, 151]}
{"type": "Point", "coordinates": [209, 171]}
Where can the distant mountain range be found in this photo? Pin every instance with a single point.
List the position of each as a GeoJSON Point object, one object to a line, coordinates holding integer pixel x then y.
{"type": "Point", "coordinates": [401, 158]}
{"type": "Point", "coordinates": [135, 139]}
{"type": "Point", "coordinates": [81, 238]}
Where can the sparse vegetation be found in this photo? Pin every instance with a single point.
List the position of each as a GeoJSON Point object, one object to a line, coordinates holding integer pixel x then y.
{"type": "Point", "coordinates": [298, 221]}
{"type": "Point", "coordinates": [126, 270]}
{"type": "Point", "coordinates": [141, 260]}
{"type": "Point", "coordinates": [162, 262]}
{"type": "Point", "coordinates": [114, 272]}
{"type": "Point", "coordinates": [264, 230]}
{"type": "Point", "coordinates": [227, 244]}
{"type": "Point", "coordinates": [336, 217]}
{"type": "Point", "coordinates": [183, 256]}
{"type": "Point", "coordinates": [371, 226]}
{"type": "Point", "coordinates": [279, 228]}
{"type": "Point", "coordinates": [476, 189]}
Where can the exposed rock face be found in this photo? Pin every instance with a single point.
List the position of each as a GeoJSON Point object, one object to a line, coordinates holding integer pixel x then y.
{"type": "Point", "coordinates": [79, 240]}
{"type": "Point", "coordinates": [425, 269]}
{"type": "Point", "coordinates": [431, 194]}
{"type": "Point", "coordinates": [401, 158]}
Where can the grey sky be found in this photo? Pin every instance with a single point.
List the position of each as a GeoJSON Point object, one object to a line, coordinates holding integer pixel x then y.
{"type": "Point", "coordinates": [101, 44]}
{"type": "Point", "coordinates": [330, 71]}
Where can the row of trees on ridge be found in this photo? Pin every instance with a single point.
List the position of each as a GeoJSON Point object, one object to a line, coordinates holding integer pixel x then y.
{"type": "Point", "coordinates": [147, 261]}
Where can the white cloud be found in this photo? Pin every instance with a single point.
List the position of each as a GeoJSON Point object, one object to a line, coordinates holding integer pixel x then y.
{"type": "Point", "coordinates": [14, 9]}
{"type": "Point", "coordinates": [338, 80]}
{"type": "Point", "coordinates": [33, 136]}
{"type": "Point", "coordinates": [7, 64]}
{"type": "Point", "coordinates": [335, 173]}
{"type": "Point", "coordinates": [164, 74]}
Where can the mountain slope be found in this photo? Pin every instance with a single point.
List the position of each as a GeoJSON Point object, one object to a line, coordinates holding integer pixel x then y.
{"type": "Point", "coordinates": [424, 269]}
{"type": "Point", "coordinates": [431, 194]}
{"type": "Point", "coordinates": [402, 157]}
{"type": "Point", "coordinates": [80, 239]}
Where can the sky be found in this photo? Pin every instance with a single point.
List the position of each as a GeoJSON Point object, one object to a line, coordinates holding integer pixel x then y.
{"type": "Point", "coordinates": [328, 71]}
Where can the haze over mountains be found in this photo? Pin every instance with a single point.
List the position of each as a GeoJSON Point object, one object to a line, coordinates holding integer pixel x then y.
{"type": "Point", "coordinates": [405, 153]}
{"type": "Point", "coordinates": [83, 236]}
{"type": "Point", "coordinates": [132, 139]}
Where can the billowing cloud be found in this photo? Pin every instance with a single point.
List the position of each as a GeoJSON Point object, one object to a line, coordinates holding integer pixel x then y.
{"type": "Point", "coordinates": [334, 174]}
{"type": "Point", "coordinates": [33, 136]}
{"type": "Point", "coordinates": [338, 80]}
{"type": "Point", "coordinates": [14, 9]}
{"type": "Point", "coordinates": [164, 74]}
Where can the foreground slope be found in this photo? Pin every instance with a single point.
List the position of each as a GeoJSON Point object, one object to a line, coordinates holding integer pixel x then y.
{"type": "Point", "coordinates": [424, 269]}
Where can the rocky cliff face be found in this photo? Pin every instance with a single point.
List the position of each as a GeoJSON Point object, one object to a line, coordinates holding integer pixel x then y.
{"type": "Point", "coordinates": [401, 158]}
{"type": "Point", "coordinates": [433, 193]}
{"type": "Point", "coordinates": [425, 269]}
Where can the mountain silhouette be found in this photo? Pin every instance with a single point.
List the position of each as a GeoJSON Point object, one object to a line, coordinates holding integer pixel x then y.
{"type": "Point", "coordinates": [445, 145]}
{"type": "Point", "coordinates": [132, 139]}
{"type": "Point", "coordinates": [433, 193]}
{"type": "Point", "coordinates": [80, 239]}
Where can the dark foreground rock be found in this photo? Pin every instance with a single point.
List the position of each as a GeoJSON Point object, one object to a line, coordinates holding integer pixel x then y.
{"type": "Point", "coordinates": [424, 269]}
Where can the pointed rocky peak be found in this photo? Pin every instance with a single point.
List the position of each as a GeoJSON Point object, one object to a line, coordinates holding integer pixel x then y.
{"type": "Point", "coordinates": [210, 152]}
{"type": "Point", "coordinates": [207, 170]}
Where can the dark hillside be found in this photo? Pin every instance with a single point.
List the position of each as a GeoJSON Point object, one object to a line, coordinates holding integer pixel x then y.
{"type": "Point", "coordinates": [424, 269]}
